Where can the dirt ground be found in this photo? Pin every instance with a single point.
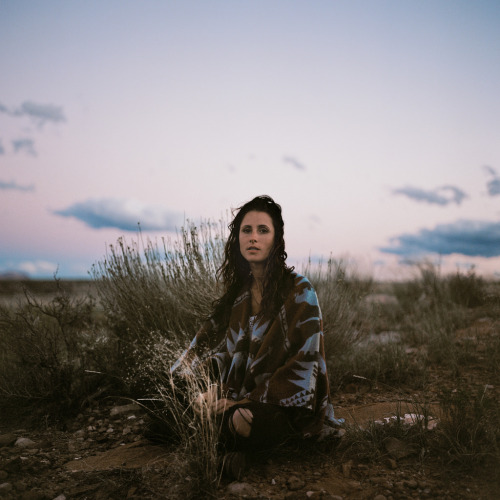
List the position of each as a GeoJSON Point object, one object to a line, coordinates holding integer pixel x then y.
{"type": "Point", "coordinates": [102, 454]}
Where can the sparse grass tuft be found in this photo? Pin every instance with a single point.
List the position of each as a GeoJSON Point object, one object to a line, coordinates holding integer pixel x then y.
{"type": "Point", "coordinates": [467, 290]}
{"type": "Point", "coordinates": [389, 364]}
{"type": "Point", "coordinates": [466, 433]}
{"type": "Point", "coordinates": [400, 437]}
{"type": "Point", "coordinates": [346, 315]}
{"type": "Point", "coordinates": [469, 430]}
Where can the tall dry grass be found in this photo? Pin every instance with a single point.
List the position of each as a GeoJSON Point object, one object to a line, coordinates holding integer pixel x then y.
{"type": "Point", "coordinates": [179, 416]}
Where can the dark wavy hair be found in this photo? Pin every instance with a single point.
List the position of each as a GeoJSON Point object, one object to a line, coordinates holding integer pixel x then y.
{"type": "Point", "coordinates": [234, 274]}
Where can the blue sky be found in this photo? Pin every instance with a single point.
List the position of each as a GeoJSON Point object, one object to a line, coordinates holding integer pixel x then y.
{"type": "Point", "coordinates": [375, 124]}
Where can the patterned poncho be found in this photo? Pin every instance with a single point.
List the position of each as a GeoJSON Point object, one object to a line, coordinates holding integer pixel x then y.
{"type": "Point", "coordinates": [279, 361]}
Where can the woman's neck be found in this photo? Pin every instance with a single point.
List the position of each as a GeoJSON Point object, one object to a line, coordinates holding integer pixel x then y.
{"type": "Point", "coordinates": [257, 271]}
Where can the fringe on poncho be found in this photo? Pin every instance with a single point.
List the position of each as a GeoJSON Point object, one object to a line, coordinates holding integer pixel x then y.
{"type": "Point", "coordinates": [279, 361]}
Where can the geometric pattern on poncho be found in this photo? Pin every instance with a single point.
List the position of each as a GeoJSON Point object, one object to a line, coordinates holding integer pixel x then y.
{"type": "Point", "coordinates": [281, 360]}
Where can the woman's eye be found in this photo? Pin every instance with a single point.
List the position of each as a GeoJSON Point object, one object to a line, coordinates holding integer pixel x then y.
{"type": "Point", "coordinates": [263, 230]}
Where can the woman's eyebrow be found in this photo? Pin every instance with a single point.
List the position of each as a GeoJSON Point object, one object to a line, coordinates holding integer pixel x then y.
{"type": "Point", "coordinates": [260, 226]}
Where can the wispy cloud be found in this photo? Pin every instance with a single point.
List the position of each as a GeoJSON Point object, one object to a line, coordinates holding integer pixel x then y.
{"type": "Point", "coordinates": [466, 237]}
{"type": "Point", "coordinates": [494, 184]}
{"type": "Point", "coordinates": [12, 185]}
{"type": "Point", "coordinates": [294, 162]}
{"type": "Point", "coordinates": [24, 145]}
{"type": "Point", "coordinates": [39, 113]}
{"type": "Point", "coordinates": [123, 214]}
{"type": "Point", "coordinates": [443, 195]}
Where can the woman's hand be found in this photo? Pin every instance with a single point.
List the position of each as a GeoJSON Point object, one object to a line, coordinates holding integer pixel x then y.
{"type": "Point", "coordinates": [221, 405]}
{"type": "Point", "coordinates": [206, 400]}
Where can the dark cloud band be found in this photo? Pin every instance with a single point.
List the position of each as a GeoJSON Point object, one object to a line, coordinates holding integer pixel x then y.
{"type": "Point", "coordinates": [40, 113]}
{"type": "Point", "coordinates": [24, 145]}
{"type": "Point", "coordinates": [493, 185]}
{"type": "Point", "coordinates": [15, 186]}
{"type": "Point", "coordinates": [443, 195]}
{"type": "Point", "coordinates": [466, 237]}
{"type": "Point", "coordinates": [294, 162]}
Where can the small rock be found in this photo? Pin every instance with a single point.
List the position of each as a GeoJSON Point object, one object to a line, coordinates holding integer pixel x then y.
{"type": "Point", "coordinates": [7, 439]}
{"type": "Point", "coordinates": [241, 489]}
{"type": "Point", "coordinates": [33, 495]}
{"type": "Point", "coordinates": [119, 410]}
{"type": "Point", "coordinates": [355, 485]}
{"type": "Point", "coordinates": [294, 483]}
{"type": "Point", "coordinates": [25, 443]}
{"type": "Point", "coordinates": [20, 486]}
{"type": "Point", "coordinates": [392, 463]}
{"type": "Point", "coordinates": [397, 448]}
{"type": "Point", "coordinates": [13, 465]}
{"type": "Point", "coordinates": [5, 489]}
{"type": "Point", "coordinates": [346, 469]}
{"type": "Point", "coordinates": [411, 483]}
{"type": "Point", "coordinates": [72, 446]}
{"type": "Point", "coordinates": [380, 497]}
{"type": "Point", "coordinates": [314, 494]}
{"type": "Point", "coordinates": [60, 497]}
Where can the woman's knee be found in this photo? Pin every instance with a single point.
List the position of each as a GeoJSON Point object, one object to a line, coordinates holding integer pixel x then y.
{"type": "Point", "coordinates": [242, 421]}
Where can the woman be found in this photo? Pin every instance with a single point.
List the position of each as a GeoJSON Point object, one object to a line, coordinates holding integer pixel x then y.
{"type": "Point", "coordinates": [264, 341]}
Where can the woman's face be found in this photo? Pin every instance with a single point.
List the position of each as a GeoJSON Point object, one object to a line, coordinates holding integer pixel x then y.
{"type": "Point", "coordinates": [256, 237]}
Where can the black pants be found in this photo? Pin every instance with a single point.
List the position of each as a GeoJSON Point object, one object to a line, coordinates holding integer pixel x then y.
{"type": "Point", "coordinates": [270, 426]}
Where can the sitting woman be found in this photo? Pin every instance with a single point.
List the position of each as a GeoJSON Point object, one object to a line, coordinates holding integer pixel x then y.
{"type": "Point", "coordinates": [264, 342]}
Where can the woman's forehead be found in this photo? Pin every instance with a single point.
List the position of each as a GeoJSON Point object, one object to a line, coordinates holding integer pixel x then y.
{"type": "Point", "coordinates": [256, 218]}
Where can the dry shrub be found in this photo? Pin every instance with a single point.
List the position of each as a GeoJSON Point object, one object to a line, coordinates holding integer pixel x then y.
{"type": "Point", "coordinates": [52, 350]}
{"type": "Point", "coordinates": [147, 288]}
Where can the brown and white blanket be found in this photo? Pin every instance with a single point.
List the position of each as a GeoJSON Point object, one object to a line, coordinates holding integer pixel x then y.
{"type": "Point", "coordinates": [279, 361]}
